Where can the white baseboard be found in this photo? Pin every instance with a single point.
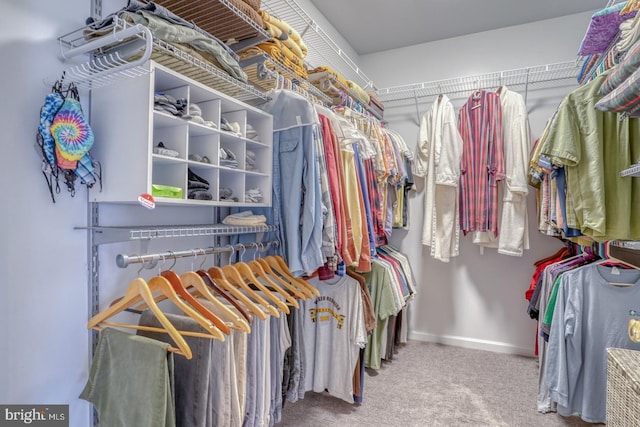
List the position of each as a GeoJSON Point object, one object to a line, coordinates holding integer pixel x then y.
{"type": "Point", "coordinates": [472, 343]}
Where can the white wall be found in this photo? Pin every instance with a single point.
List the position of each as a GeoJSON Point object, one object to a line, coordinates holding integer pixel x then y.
{"type": "Point", "coordinates": [475, 301]}
{"type": "Point", "coordinates": [43, 297]}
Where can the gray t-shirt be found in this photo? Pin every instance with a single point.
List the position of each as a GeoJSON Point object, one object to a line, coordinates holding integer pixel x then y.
{"type": "Point", "coordinates": [591, 315]}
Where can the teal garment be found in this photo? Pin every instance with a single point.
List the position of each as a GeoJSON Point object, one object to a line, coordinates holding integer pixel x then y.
{"type": "Point", "coordinates": [594, 147]}
{"type": "Point", "coordinates": [131, 381]}
{"type": "Point", "coordinates": [548, 314]}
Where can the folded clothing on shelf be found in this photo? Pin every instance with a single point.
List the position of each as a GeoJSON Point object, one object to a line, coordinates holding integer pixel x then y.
{"type": "Point", "coordinates": [158, 190]}
{"type": "Point", "coordinates": [253, 195]}
{"type": "Point", "coordinates": [244, 218]}
{"type": "Point", "coordinates": [164, 151]}
{"type": "Point", "coordinates": [197, 187]}
{"type": "Point", "coordinates": [226, 194]}
{"type": "Point", "coordinates": [233, 127]}
{"type": "Point", "coordinates": [250, 161]}
{"type": "Point", "coordinates": [166, 102]}
{"type": "Point", "coordinates": [228, 158]}
{"type": "Point", "coordinates": [251, 133]}
{"type": "Point", "coordinates": [358, 93]}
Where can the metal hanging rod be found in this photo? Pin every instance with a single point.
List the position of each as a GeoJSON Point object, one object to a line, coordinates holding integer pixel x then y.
{"type": "Point", "coordinates": [124, 261]}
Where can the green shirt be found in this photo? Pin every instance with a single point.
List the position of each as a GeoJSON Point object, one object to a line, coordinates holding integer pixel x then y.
{"type": "Point", "coordinates": [594, 147]}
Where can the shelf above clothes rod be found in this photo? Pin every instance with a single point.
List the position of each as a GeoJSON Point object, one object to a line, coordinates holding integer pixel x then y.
{"type": "Point", "coordinates": [522, 78]}
{"type": "Point", "coordinates": [104, 235]}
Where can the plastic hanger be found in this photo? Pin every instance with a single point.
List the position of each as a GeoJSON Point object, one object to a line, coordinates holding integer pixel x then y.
{"type": "Point", "coordinates": [139, 290]}
{"type": "Point", "coordinates": [608, 259]}
{"type": "Point", "coordinates": [219, 276]}
{"type": "Point", "coordinates": [193, 280]}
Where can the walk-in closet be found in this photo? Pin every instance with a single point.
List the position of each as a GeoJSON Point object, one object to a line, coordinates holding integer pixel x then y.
{"type": "Point", "coordinates": [317, 212]}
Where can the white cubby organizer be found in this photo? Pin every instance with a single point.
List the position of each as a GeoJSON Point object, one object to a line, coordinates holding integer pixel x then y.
{"type": "Point", "coordinates": [127, 128]}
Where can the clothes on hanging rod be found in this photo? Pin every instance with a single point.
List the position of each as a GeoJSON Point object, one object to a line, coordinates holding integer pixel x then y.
{"type": "Point", "coordinates": [587, 148]}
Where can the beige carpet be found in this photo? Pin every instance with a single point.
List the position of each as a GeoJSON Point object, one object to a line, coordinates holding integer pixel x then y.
{"type": "Point", "coordinates": [434, 385]}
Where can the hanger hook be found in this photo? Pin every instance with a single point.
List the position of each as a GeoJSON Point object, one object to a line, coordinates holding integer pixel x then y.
{"type": "Point", "coordinates": [174, 260]}
{"type": "Point", "coordinates": [141, 264]}
{"type": "Point", "coordinates": [244, 249]}
{"type": "Point", "coordinates": [195, 257]}
{"type": "Point", "coordinates": [161, 265]}
{"type": "Point", "coordinates": [204, 252]}
{"type": "Point", "coordinates": [232, 250]}
{"type": "Point", "coordinates": [256, 251]}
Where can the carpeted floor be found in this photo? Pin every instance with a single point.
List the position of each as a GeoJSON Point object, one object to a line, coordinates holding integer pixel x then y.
{"type": "Point", "coordinates": [435, 385]}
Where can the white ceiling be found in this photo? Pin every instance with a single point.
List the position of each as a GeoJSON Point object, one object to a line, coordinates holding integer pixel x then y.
{"type": "Point", "coordinates": [376, 25]}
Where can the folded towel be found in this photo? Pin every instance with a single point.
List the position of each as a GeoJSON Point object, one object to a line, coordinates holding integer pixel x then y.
{"type": "Point", "coordinates": [287, 29]}
{"type": "Point", "coordinates": [358, 93]}
{"type": "Point", "coordinates": [244, 218]}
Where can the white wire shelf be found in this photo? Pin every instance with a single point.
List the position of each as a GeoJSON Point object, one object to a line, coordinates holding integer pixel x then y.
{"type": "Point", "coordinates": [521, 78]}
{"type": "Point", "coordinates": [263, 71]}
{"type": "Point", "coordinates": [134, 42]}
{"type": "Point", "coordinates": [322, 49]}
{"type": "Point", "coordinates": [220, 18]}
{"type": "Point", "coordinates": [122, 234]}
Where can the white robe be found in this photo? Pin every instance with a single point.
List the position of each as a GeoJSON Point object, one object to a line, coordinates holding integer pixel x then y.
{"type": "Point", "coordinates": [438, 157]}
{"type": "Point", "coordinates": [513, 236]}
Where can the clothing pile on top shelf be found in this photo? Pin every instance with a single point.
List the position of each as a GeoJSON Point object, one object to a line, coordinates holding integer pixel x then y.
{"type": "Point", "coordinates": [462, 167]}
{"type": "Point", "coordinates": [198, 187]}
{"type": "Point", "coordinates": [336, 86]}
{"type": "Point", "coordinates": [285, 45]}
{"type": "Point", "coordinates": [183, 35]}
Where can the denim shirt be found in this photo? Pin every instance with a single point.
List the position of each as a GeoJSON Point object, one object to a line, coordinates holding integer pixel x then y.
{"type": "Point", "coordinates": [297, 204]}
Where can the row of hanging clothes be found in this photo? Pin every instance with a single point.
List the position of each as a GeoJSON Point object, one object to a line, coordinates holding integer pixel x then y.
{"type": "Point", "coordinates": [584, 303]}
{"type": "Point", "coordinates": [474, 165]}
{"type": "Point", "coordinates": [230, 325]}
{"type": "Point", "coordinates": [339, 190]}
{"type": "Point", "coordinates": [577, 163]}
{"type": "Point", "coordinates": [339, 184]}
{"type": "Point", "coordinates": [251, 336]}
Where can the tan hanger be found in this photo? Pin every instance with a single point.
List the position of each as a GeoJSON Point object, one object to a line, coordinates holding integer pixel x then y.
{"type": "Point", "coordinates": [193, 280]}
{"type": "Point", "coordinates": [247, 273]}
{"type": "Point", "coordinates": [181, 289]}
{"type": "Point", "coordinates": [219, 276]}
{"type": "Point", "coordinates": [234, 277]}
{"type": "Point", "coordinates": [279, 265]}
{"type": "Point", "coordinates": [139, 290]}
{"type": "Point", "coordinates": [300, 294]}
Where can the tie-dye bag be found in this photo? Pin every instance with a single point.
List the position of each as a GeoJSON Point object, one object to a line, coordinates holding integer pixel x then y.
{"type": "Point", "coordinates": [64, 139]}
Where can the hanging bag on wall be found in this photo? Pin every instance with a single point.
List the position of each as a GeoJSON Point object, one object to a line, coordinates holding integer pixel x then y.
{"type": "Point", "coordinates": [64, 139]}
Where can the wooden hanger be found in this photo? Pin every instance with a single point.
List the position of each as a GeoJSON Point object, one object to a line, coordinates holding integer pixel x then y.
{"type": "Point", "coordinates": [279, 265]}
{"type": "Point", "coordinates": [139, 290]}
{"type": "Point", "coordinates": [219, 276]}
{"type": "Point", "coordinates": [211, 284]}
{"type": "Point", "coordinates": [235, 278]}
{"type": "Point", "coordinates": [193, 280]}
{"type": "Point", "coordinates": [247, 273]}
{"type": "Point", "coordinates": [260, 273]}
{"type": "Point", "coordinates": [298, 293]}
{"type": "Point", "coordinates": [181, 289]}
